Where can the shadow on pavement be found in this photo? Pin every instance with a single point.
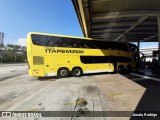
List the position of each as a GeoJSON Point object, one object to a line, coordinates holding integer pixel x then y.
{"type": "Point", "coordinates": [150, 100]}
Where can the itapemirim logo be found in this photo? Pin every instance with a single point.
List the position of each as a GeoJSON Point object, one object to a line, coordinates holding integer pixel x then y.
{"type": "Point", "coordinates": [52, 50]}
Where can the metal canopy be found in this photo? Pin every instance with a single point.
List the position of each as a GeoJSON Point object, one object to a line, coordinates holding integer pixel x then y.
{"type": "Point", "coordinates": [119, 20]}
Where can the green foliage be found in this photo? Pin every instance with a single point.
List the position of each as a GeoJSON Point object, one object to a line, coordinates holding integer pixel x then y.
{"type": "Point", "coordinates": [12, 53]}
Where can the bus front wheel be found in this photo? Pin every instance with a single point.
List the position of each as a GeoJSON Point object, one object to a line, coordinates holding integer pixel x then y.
{"type": "Point", "coordinates": [76, 72]}
{"type": "Point", "coordinates": [63, 72]}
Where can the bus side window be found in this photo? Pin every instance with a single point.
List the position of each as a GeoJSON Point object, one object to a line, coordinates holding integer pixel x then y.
{"type": "Point", "coordinates": [85, 46]}
{"type": "Point", "coordinates": [90, 44]}
{"type": "Point", "coordinates": [75, 45]}
{"type": "Point", "coordinates": [37, 42]}
{"type": "Point", "coordinates": [63, 44]}
{"type": "Point", "coordinates": [67, 42]}
{"type": "Point", "coordinates": [122, 46]}
{"type": "Point", "coordinates": [87, 59]}
{"type": "Point", "coordinates": [58, 42]}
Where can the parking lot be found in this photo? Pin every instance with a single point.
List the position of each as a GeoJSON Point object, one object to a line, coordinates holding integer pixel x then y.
{"type": "Point", "coordinates": [97, 92]}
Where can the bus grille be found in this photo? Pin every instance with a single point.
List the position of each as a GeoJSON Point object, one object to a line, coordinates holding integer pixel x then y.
{"type": "Point", "coordinates": [38, 60]}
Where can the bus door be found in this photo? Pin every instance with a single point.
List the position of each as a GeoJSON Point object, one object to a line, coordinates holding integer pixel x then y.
{"type": "Point", "coordinates": [50, 69]}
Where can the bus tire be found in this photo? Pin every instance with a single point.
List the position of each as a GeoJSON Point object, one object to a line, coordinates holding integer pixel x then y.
{"type": "Point", "coordinates": [121, 68]}
{"type": "Point", "coordinates": [129, 68]}
{"type": "Point", "coordinates": [63, 72]}
{"type": "Point", "coordinates": [77, 71]}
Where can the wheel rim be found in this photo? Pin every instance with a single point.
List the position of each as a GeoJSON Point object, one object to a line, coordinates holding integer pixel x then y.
{"type": "Point", "coordinates": [77, 72]}
{"type": "Point", "coordinates": [63, 72]}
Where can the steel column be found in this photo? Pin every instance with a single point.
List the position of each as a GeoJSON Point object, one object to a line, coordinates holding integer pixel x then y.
{"type": "Point", "coordinates": [138, 44]}
{"type": "Point", "coordinates": [159, 36]}
{"type": "Point", "coordinates": [124, 38]}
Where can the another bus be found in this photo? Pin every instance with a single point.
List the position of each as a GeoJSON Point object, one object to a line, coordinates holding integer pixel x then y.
{"type": "Point", "coordinates": [57, 55]}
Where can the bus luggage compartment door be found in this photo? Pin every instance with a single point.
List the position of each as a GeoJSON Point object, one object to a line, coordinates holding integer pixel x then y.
{"type": "Point", "coordinates": [50, 66]}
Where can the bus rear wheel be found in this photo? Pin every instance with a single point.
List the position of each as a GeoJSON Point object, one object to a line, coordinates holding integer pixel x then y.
{"type": "Point", "coordinates": [121, 68]}
{"type": "Point", "coordinates": [129, 68]}
{"type": "Point", "coordinates": [76, 72]}
{"type": "Point", "coordinates": [63, 72]}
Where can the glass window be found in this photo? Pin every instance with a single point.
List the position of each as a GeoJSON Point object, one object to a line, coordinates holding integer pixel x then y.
{"type": "Point", "coordinates": [55, 41]}
{"type": "Point", "coordinates": [94, 59]}
{"type": "Point", "coordinates": [87, 59]}
{"type": "Point", "coordinates": [112, 59]}
{"type": "Point", "coordinates": [67, 42]}
{"type": "Point", "coordinates": [100, 59]}
{"type": "Point", "coordinates": [122, 46]}
{"type": "Point", "coordinates": [133, 48]}
{"type": "Point", "coordinates": [44, 40]}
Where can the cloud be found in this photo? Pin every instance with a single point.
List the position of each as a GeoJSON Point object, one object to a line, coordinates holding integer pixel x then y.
{"type": "Point", "coordinates": [149, 46]}
{"type": "Point", "coordinates": [22, 42]}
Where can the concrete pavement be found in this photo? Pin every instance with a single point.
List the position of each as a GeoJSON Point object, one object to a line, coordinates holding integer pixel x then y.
{"type": "Point", "coordinates": [12, 70]}
{"type": "Point", "coordinates": [100, 93]}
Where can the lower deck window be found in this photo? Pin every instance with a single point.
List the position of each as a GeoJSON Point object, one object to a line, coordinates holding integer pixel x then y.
{"type": "Point", "coordinates": [104, 59]}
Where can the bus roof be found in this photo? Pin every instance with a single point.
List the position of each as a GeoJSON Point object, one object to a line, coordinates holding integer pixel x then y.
{"type": "Point", "coordinates": [39, 33]}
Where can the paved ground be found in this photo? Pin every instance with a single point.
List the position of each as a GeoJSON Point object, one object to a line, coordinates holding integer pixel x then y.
{"type": "Point", "coordinates": [95, 92]}
{"type": "Point", "coordinates": [111, 92]}
{"type": "Point", "coordinates": [12, 70]}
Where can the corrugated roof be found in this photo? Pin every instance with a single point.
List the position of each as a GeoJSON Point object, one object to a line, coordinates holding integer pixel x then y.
{"type": "Point", "coordinates": [113, 20]}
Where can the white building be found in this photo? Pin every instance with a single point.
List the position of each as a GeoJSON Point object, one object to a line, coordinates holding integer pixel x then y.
{"type": "Point", "coordinates": [1, 37]}
{"type": "Point", "coordinates": [148, 51]}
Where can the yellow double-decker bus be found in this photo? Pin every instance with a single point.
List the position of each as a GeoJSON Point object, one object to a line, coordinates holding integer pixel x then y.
{"type": "Point", "coordinates": [57, 55]}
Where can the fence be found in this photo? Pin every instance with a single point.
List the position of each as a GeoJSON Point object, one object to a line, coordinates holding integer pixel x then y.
{"type": "Point", "coordinates": [5, 58]}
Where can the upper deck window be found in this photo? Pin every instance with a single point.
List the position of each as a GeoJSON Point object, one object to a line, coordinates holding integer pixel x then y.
{"type": "Point", "coordinates": [57, 41]}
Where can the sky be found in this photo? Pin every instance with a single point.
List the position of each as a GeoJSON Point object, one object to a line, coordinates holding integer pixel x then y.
{"type": "Point", "coordinates": [18, 17]}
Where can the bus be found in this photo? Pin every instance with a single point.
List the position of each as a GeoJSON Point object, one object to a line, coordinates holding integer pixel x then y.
{"type": "Point", "coordinates": [57, 55]}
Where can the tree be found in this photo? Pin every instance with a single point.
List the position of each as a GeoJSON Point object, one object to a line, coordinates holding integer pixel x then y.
{"type": "Point", "coordinates": [2, 45]}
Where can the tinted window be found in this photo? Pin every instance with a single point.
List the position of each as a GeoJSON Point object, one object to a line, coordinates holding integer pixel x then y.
{"type": "Point", "coordinates": [40, 40]}
{"type": "Point", "coordinates": [133, 48]}
{"type": "Point", "coordinates": [53, 41]}
{"type": "Point", "coordinates": [104, 59]}
{"type": "Point", "coordinates": [100, 59]}
{"type": "Point", "coordinates": [123, 59]}
{"type": "Point", "coordinates": [114, 59]}
{"type": "Point", "coordinates": [87, 59]}
{"type": "Point", "coordinates": [111, 45]}
{"type": "Point", "coordinates": [122, 46]}
{"type": "Point", "coordinates": [94, 59]}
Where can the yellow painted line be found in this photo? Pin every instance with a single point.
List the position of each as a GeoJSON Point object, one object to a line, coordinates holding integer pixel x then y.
{"type": "Point", "coordinates": [75, 102]}
{"type": "Point", "coordinates": [115, 94]}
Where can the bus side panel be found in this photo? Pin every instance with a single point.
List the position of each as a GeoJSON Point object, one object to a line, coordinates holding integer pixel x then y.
{"type": "Point", "coordinates": [88, 68]}
{"type": "Point", "coordinates": [38, 66]}
{"type": "Point", "coordinates": [50, 62]}
{"type": "Point", "coordinates": [38, 70]}
{"type": "Point", "coordinates": [67, 61]}
{"type": "Point", "coordinates": [98, 67]}
{"type": "Point", "coordinates": [104, 67]}
{"type": "Point", "coordinates": [29, 58]}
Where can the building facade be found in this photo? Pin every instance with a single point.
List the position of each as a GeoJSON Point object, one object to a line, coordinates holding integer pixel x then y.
{"type": "Point", "coordinates": [1, 37]}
